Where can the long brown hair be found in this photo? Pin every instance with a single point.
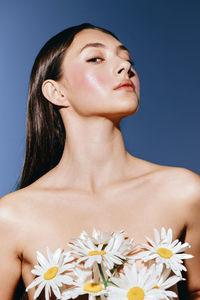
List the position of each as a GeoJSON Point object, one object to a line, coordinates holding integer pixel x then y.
{"type": "Point", "coordinates": [45, 132]}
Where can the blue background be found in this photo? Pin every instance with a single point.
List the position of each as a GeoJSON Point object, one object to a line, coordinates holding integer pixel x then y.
{"type": "Point", "coordinates": [163, 38]}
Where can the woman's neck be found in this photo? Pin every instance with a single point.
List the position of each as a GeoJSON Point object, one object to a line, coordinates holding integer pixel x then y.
{"type": "Point", "coordinates": [94, 155]}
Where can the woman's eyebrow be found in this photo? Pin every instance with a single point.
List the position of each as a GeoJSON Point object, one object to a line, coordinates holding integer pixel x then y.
{"type": "Point", "coordinates": [100, 45]}
{"type": "Point", "coordinates": [96, 45]}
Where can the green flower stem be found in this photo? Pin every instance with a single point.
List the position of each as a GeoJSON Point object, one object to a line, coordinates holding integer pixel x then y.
{"type": "Point", "coordinates": [102, 275]}
{"type": "Point", "coordinates": [108, 281]}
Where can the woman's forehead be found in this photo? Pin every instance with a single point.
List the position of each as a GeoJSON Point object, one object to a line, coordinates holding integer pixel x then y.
{"type": "Point", "coordinates": [93, 37]}
{"type": "Point", "coordinates": [91, 34]}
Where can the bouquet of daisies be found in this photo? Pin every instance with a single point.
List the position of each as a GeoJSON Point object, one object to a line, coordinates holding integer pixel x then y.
{"type": "Point", "coordinates": [104, 266]}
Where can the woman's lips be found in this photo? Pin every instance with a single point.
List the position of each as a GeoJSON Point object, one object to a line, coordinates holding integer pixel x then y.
{"type": "Point", "coordinates": [126, 85]}
{"type": "Point", "coordinates": [128, 88]}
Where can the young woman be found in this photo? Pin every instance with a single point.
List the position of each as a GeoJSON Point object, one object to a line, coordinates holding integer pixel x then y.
{"type": "Point", "coordinates": [77, 174]}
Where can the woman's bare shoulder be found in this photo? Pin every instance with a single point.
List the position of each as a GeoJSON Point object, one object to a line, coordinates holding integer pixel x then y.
{"type": "Point", "coordinates": [14, 205]}
{"type": "Point", "coordinates": [11, 198]}
{"type": "Point", "coordinates": [179, 183]}
{"type": "Point", "coordinates": [12, 216]}
{"type": "Point", "coordinates": [179, 180]}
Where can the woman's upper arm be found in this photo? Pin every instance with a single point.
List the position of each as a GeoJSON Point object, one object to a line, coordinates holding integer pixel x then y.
{"type": "Point", "coordinates": [193, 238]}
{"type": "Point", "coordinates": [10, 264]}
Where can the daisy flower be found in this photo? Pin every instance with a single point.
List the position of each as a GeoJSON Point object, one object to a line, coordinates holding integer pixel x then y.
{"type": "Point", "coordinates": [99, 238]}
{"type": "Point", "coordinates": [108, 250]}
{"type": "Point", "coordinates": [133, 285]}
{"type": "Point", "coordinates": [50, 271]}
{"type": "Point", "coordinates": [85, 284]}
{"type": "Point", "coordinates": [165, 281]}
{"type": "Point", "coordinates": [166, 252]}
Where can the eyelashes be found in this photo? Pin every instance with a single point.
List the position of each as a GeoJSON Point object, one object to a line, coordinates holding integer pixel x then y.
{"type": "Point", "coordinates": [96, 58]}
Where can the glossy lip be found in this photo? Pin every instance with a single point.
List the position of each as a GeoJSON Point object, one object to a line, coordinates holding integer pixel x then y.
{"type": "Point", "coordinates": [127, 83]}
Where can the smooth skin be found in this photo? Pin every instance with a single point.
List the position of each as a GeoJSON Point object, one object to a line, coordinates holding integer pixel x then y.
{"type": "Point", "coordinates": [97, 183]}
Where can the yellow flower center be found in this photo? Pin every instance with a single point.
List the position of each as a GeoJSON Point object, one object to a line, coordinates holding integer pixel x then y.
{"type": "Point", "coordinates": [51, 273]}
{"type": "Point", "coordinates": [91, 253]}
{"type": "Point", "coordinates": [156, 287]}
{"type": "Point", "coordinates": [92, 287]}
{"type": "Point", "coordinates": [135, 293]}
{"type": "Point", "coordinates": [165, 253]}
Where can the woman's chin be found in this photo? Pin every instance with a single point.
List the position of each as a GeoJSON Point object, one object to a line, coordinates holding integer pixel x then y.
{"type": "Point", "coordinates": [129, 106]}
{"type": "Point", "coordinates": [122, 111]}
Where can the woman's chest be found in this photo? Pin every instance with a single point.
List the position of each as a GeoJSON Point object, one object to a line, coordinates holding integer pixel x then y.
{"type": "Point", "coordinates": [56, 222]}
{"type": "Point", "coordinates": [112, 248]}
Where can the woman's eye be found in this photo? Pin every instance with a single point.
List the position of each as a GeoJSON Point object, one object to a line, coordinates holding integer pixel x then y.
{"type": "Point", "coordinates": [95, 59]}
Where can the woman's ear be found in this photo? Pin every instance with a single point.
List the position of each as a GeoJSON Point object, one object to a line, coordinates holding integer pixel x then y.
{"type": "Point", "coordinates": [52, 92]}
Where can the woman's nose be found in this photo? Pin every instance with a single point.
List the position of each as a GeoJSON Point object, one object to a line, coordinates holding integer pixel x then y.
{"type": "Point", "coordinates": [124, 67]}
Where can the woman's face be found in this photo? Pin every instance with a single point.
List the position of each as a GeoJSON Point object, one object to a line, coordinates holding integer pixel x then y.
{"type": "Point", "coordinates": [93, 66]}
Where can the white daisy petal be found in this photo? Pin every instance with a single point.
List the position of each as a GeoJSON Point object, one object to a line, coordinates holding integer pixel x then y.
{"type": "Point", "coordinates": [68, 257]}
{"type": "Point", "coordinates": [156, 235]}
{"type": "Point", "coordinates": [57, 255]}
{"type": "Point", "coordinates": [66, 279]}
{"type": "Point", "coordinates": [36, 272]}
{"type": "Point", "coordinates": [150, 241]}
{"type": "Point", "coordinates": [85, 284]}
{"type": "Point", "coordinates": [169, 235]}
{"type": "Point", "coordinates": [165, 251]}
{"type": "Point", "coordinates": [49, 255]}
{"type": "Point", "coordinates": [132, 282]}
{"type": "Point", "coordinates": [170, 282]}
{"type": "Point", "coordinates": [184, 256]}
{"type": "Point", "coordinates": [35, 282]}
{"type": "Point", "coordinates": [50, 273]}
{"type": "Point", "coordinates": [66, 267]}
{"type": "Point", "coordinates": [171, 294]}
{"type": "Point", "coordinates": [115, 249]}
{"type": "Point", "coordinates": [116, 293]}
{"type": "Point", "coordinates": [39, 289]}
{"type": "Point", "coordinates": [41, 259]}
{"type": "Point", "coordinates": [55, 290]}
{"type": "Point", "coordinates": [47, 291]}
{"type": "Point", "coordinates": [174, 243]}
{"type": "Point", "coordinates": [163, 233]}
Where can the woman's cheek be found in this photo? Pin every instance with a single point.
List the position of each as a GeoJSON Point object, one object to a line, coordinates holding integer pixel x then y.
{"type": "Point", "coordinates": [96, 82]}
{"type": "Point", "coordinates": [90, 80]}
